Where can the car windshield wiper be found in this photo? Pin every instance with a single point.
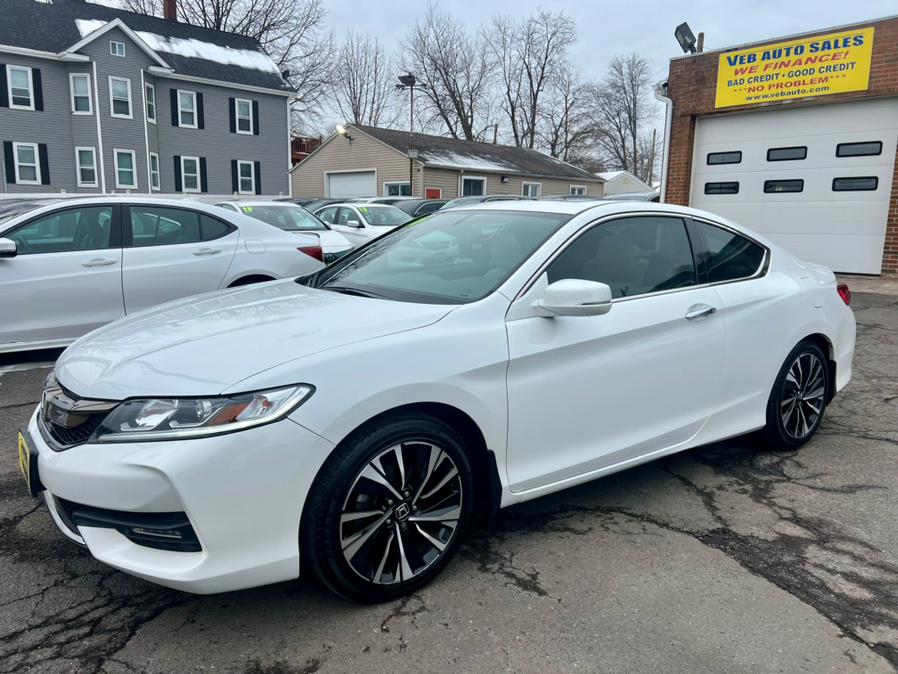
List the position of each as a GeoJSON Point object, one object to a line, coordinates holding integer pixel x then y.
{"type": "Point", "coordinates": [346, 290]}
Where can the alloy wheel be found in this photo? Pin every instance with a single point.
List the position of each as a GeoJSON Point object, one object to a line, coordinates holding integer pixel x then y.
{"type": "Point", "coordinates": [401, 512]}
{"type": "Point", "coordinates": [803, 394]}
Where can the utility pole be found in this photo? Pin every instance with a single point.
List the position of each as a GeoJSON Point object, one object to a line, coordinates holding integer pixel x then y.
{"type": "Point", "coordinates": [652, 160]}
{"type": "Point", "coordinates": [410, 82]}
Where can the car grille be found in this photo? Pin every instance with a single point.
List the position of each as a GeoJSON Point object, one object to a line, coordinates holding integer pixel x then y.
{"type": "Point", "coordinates": [67, 420]}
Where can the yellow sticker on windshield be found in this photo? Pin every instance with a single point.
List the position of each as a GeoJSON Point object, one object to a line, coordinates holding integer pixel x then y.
{"type": "Point", "coordinates": [247, 209]}
{"type": "Point", "coordinates": [363, 209]}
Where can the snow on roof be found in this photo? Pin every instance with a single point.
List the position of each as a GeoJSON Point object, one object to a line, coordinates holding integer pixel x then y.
{"type": "Point", "coordinates": [193, 48]}
{"type": "Point", "coordinates": [461, 161]}
{"type": "Point", "coordinates": [610, 175]}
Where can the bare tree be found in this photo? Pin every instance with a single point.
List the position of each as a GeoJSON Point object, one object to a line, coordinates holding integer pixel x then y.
{"type": "Point", "coordinates": [531, 53]}
{"type": "Point", "coordinates": [456, 69]}
{"type": "Point", "coordinates": [363, 82]}
{"type": "Point", "coordinates": [564, 129]}
{"type": "Point", "coordinates": [621, 113]}
{"type": "Point", "coordinates": [290, 31]}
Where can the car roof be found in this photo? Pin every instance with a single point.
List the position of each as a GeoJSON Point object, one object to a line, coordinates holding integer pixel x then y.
{"type": "Point", "coordinates": [359, 204]}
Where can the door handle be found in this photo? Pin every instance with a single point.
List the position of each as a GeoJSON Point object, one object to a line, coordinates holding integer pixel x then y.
{"type": "Point", "coordinates": [207, 251]}
{"type": "Point", "coordinates": [98, 262]}
{"type": "Point", "coordinates": [700, 311]}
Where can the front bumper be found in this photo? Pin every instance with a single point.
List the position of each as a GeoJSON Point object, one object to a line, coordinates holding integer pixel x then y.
{"type": "Point", "coordinates": [243, 494]}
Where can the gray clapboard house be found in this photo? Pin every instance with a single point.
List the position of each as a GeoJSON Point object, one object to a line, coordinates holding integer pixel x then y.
{"type": "Point", "coordinates": [97, 100]}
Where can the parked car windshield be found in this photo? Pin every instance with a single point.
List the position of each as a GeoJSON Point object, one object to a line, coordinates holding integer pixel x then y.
{"type": "Point", "coordinates": [288, 218]}
{"type": "Point", "coordinates": [444, 258]}
{"type": "Point", "coordinates": [383, 216]}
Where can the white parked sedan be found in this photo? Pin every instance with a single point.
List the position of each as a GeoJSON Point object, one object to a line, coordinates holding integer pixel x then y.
{"type": "Point", "coordinates": [70, 266]}
{"type": "Point", "coordinates": [359, 418]}
{"type": "Point", "coordinates": [362, 222]}
{"type": "Point", "coordinates": [292, 218]}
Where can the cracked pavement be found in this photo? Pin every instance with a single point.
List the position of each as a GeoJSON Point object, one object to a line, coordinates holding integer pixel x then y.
{"type": "Point", "coordinates": [723, 558]}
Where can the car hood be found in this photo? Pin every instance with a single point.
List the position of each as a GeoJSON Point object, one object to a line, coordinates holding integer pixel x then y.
{"type": "Point", "coordinates": [208, 343]}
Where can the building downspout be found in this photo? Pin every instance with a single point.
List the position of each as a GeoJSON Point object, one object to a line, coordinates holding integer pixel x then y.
{"type": "Point", "coordinates": [661, 95]}
{"type": "Point", "coordinates": [146, 133]}
{"type": "Point", "coordinates": [100, 160]}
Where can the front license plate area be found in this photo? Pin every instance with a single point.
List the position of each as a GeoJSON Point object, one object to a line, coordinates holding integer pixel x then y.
{"type": "Point", "coordinates": [28, 465]}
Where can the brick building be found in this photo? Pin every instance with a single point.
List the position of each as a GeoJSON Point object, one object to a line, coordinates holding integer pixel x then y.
{"type": "Point", "coordinates": [796, 138]}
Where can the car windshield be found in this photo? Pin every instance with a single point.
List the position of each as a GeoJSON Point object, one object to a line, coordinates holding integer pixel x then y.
{"type": "Point", "coordinates": [288, 218]}
{"type": "Point", "coordinates": [444, 258]}
{"type": "Point", "coordinates": [383, 216]}
{"type": "Point", "coordinates": [15, 211]}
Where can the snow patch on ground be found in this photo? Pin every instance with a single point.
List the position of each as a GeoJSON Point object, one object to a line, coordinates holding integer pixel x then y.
{"type": "Point", "coordinates": [193, 48]}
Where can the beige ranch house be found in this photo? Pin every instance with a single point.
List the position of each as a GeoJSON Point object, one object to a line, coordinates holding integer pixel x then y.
{"type": "Point", "coordinates": [366, 161]}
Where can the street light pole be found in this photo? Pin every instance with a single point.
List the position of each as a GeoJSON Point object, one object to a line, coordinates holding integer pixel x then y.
{"type": "Point", "coordinates": [410, 82]}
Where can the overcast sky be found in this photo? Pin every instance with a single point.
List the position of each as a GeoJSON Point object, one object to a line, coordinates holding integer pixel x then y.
{"type": "Point", "coordinates": [609, 27]}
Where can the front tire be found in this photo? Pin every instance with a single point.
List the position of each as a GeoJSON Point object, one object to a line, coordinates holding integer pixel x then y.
{"type": "Point", "coordinates": [798, 399]}
{"type": "Point", "coordinates": [388, 509]}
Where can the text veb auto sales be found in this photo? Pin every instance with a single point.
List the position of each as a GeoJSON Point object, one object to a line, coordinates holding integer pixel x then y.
{"type": "Point", "coordinates": [813, 65]}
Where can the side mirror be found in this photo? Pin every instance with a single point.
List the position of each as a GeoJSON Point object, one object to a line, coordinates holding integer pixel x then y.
{"type": "Point", "coordinates": [574, 297]}
{"type": "Point", "coordinates": [353, 223]}
{"type": "Point", "coordinates": [8, 248]}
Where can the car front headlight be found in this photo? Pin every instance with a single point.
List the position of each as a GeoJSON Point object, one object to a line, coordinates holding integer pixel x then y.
{"type": "Point", "coordinates": [180, 418]}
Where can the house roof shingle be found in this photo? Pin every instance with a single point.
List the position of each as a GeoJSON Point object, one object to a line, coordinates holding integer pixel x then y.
{"type": "Point", "coordinates": [54, 27]}
{"type": "Point", "coordinates": [441, 152]}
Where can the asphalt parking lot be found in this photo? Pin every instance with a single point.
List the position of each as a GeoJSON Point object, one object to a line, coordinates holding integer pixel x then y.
{"type": "Point", "coordinates": [726, 558]}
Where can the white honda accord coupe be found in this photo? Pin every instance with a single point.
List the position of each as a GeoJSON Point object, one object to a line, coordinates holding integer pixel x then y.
{"type": "Point", "coordinates": [69, 266]}
{"type": "Point", "coordinates": [355, 421]}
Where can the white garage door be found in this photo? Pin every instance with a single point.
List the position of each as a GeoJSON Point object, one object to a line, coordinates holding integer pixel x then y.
{"type": "Point", "coordinates": [816, 180]}
{"type": "Point", "coordinates": [352, 184]}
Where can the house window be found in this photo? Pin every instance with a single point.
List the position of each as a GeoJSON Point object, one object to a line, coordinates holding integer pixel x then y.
{"type": "Point", "coordinates": [577, 190]}
{"type": "Point", "coordinates": [778, 186]}
{"type": "Point", "coordinates": [397, 189]}
{"type": "Point", "coordinates": [120, 97]}
{"type": "Point", "coordinates": [150, 95]}
{"type": "Point", "coordinates": [865, 149]}
{"type": "Point", "coordinates": [187, 109]}
{"type": "Point", "coordinates": [787, 153]}
{"type": "Point", "coordinates": [473, 187]}
{"type": "Point", "coordinates": [155, 182]}
{"type": "Point", "coordinates": [246, 176]}
{"type": "Point", "coordinates": [722, 188]}
{"type": "Point", "coordinates": [86, 161]}
{"type": "Point", "coordinates": [244, 115]}
{"type": "Point", "coordinates": [27, 163]}
{"type": "Point", "coordinates": [190, 174]}
{"type": "Point", "coordinates": [855, 184]}
{"type": "Point", "coordinates": [79, 83]}
{"type": "Point", "coordinates": [125, 173]}
{"type": "Point", "coordinates": [21, 87]}
{"type": "Point", "coordinates": [116, 48]}
{"type": "Point", "coordinates": [731, 157]}
{"type": "Point", "coordinates": [531, 189]}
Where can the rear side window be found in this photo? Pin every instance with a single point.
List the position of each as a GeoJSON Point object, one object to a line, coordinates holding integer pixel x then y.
{"type": "Point", "coordinates": [210, 228]}
{"type": "Point", "coordinates": [633, 256]}
{"type": "Point", "coordinates": [732, 157]}
{"type": "Point", "coordinates": [855, 184]}
{"type": "Point", "coordinates": [722, 188]}
{"type": "Point", "coordinates": [730, 256]}
{"type": "Point", "coordinates": [865, 149]}
{"type": "Point", "coordinates": [68, 230]}
{"type": "Point", "coordinates": [161, 226]}
{"type": "Point", "coordinates": [787, 153]}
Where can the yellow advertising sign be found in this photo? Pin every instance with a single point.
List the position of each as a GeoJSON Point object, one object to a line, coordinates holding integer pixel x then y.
{"type": "Point", "coordinates": [813, 66]}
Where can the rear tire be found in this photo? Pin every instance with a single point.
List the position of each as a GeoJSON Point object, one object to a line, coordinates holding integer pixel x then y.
{"type": "Point", "coordinates": [798, 399]}
{"type": "Point", "coordinates": [389, 508]}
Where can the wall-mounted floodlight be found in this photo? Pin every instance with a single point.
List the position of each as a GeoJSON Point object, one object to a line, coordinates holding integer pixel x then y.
{"type": "Point", "coordinates": [341, 130]}
{"type": "Point", "coordinates": [685, 37]}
